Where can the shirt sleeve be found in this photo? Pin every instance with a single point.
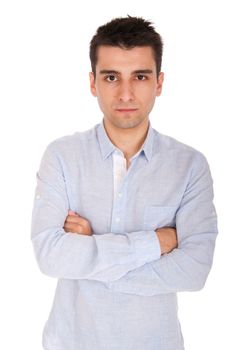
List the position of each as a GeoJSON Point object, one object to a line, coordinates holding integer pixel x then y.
{"type": "Point", "coordinates": [185, 268]}
{"type": "Point", "coordinates": [105, 257]}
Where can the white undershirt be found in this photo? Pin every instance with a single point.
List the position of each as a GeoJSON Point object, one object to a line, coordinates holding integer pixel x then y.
{"type": "Point", "coordinates": [120, 168]}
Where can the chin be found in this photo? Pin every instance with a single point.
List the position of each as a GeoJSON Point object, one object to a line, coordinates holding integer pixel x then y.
{"type": "Point", "coordinates": [126, 123]}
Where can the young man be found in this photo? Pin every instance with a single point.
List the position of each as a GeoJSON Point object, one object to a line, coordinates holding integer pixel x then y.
{"type": "Point", "coordinates": [123, 215]}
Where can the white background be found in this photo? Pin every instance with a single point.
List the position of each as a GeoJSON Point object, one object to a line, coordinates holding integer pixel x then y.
{"type": "Point", "coordinates": [44, 91]}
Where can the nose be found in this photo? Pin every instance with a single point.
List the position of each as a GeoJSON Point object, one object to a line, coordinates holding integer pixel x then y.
{"type": "Point", "coordinates": [125, 91]}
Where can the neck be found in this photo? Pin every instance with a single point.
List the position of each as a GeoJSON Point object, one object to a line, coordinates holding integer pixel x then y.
{"type": "Point", "coordinates": [130, 140]}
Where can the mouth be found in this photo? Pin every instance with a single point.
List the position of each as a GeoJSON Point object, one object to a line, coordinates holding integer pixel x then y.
{"type": "Point", "coordinates": [126, 109]}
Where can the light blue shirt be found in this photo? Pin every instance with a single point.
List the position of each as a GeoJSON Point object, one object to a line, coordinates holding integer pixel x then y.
{"type": "Point", "coordinates": [115, 290]}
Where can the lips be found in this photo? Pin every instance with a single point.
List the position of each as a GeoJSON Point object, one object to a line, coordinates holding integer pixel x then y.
{"type": "Point", "coordinates": [126, 109]}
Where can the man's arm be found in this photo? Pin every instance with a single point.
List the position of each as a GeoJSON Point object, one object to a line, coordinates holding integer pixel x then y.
{"type": "Point", "coordinates": [106, 257]}
{"type": "Point", "coordinates": [187, 267]}
{"type": "Point", "coordinates": [77, 224]}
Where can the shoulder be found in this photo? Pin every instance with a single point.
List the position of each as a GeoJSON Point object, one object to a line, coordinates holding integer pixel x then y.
{"type": "Point", "coordinates": [180, 152]}
{"type": "Point", "coordinates": [72, 142]}
{"type": "Point", "coordinates": [168, 143]}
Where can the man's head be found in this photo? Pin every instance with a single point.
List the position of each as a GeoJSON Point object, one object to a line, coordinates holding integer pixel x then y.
{"type": "Point", "coordinates": [127, 33]}
{"type": "Point", "coordinates": [126, 56]}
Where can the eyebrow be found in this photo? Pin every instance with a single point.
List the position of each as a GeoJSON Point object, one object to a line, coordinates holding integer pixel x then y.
{"type": "Point", "coordinates": [138, 71]}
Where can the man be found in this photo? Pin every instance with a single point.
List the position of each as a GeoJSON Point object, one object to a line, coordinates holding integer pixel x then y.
{"type": "Point", "coordinates": [123, 216]}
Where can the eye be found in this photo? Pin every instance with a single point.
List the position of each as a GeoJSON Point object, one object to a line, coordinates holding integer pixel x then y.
{"type": "Point", "coordinates": [141, 77]}
{"type": "Point", "coordinates": [110, 78]}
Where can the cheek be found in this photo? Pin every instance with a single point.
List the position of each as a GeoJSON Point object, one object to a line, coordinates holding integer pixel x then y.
{"type": "Point", "coordinates": [147, 90]}
{"type": "Point", "coordinates": [104, 101]}
{"type": "Point", "coordinates": [147, 97]}
{"type": "Point", "coordinates": [106, 97]}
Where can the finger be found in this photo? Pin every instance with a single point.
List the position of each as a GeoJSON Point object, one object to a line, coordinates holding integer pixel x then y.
{"type": "Point", "coordinates": [74, 219]}
{"type": "Point", "coordinates": [71, 212]}
{"type": "Point", "coordinates": [69, 227]}
{"type": "Point", "coordinates": [77, 219]}
{"type": "Point", "coordinates": [71, 231]}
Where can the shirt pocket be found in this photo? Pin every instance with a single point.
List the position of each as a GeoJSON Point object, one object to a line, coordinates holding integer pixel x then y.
{"type": "Point", "coordinates": [158, 216]}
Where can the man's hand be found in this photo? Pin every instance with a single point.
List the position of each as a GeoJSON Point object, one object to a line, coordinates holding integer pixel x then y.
{"type": "Point", "coordinates": [168, 239]}
{"type": "Point", "coordinates": [75, 223]}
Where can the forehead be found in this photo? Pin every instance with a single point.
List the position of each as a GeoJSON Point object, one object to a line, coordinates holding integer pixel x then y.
{"type": "Point", "coordinates": [111, 57]}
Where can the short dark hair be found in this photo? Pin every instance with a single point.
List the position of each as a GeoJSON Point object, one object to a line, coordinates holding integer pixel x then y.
{"type": "Point", "coordinates": [127, 32]}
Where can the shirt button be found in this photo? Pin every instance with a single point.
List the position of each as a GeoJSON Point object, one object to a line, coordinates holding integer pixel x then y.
{"type": "Point", "coordinates": [37, 196]}
{"type": "Point", "coordinates": [120, 194]}
{"type": "Point", "coordinates": [117, 219]}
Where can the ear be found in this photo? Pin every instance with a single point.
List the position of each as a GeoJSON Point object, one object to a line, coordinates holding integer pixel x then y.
{"type": "Point", "coordinates": [92, 84]}
{"type": "Point", "coordinates": [160, 84]}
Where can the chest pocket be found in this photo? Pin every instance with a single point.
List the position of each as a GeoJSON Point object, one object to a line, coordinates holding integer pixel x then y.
{"type": "Point", "coordinates": [157, 217]}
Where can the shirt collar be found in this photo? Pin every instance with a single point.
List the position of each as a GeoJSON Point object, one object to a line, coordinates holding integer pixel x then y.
{"type": "Point", "coordinates": [107, 147]}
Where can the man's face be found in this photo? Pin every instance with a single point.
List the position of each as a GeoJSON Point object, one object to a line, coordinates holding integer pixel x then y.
{"type": "Point", "coordinates": [126, 84]}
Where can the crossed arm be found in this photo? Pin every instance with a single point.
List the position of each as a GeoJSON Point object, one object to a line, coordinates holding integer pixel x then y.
{"type": "Point", "coordinates": [140, 262]}
{"type": "Point", "coordinates": [77, 224]}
